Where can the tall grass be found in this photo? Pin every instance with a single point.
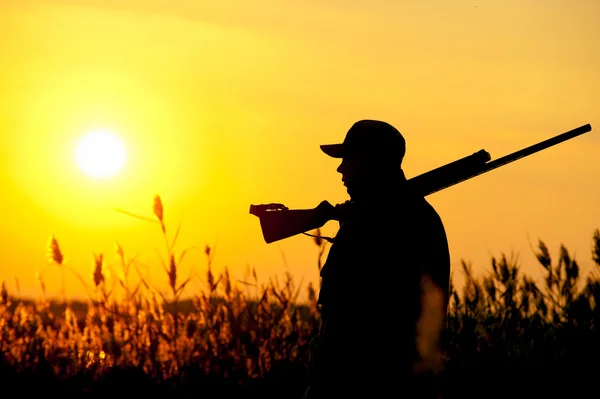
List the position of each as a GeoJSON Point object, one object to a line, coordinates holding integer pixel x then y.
{"type": "Point", "coordinates": [240, 338]}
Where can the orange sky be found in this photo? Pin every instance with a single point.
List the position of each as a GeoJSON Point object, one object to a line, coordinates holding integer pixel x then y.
{"type": "Point", "coordinates": [223, 106]}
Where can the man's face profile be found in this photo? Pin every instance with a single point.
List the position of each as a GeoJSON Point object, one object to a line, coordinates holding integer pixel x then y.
{"type": "Point", "coordinates": [354, 172]}
{"type": "Point", "coordinates": [360, 172]}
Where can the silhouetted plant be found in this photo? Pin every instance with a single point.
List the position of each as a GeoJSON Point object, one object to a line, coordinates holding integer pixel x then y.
{"type": "Point", "coordinates": [240, 332]}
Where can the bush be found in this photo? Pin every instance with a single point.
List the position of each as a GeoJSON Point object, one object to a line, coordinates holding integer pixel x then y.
{"type": "Point", "coordinates": [506, 333]}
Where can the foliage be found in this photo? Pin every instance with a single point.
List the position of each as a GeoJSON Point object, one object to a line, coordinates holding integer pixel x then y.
{"type": "Point", "coordinates": [244, 339]}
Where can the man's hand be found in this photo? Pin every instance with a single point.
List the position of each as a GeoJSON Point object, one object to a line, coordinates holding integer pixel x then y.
{"type": "Point", "coordinates": [430, 327]}
{"type": "Point", "coordinates": [325, 211]}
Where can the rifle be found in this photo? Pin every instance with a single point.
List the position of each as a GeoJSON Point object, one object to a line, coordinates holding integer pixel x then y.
{"type": "Point", "coordinates": [278, 222]}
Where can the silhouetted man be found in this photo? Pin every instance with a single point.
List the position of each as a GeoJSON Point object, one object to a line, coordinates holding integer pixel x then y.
{"type": "Point", "coordinates": [385, 282]}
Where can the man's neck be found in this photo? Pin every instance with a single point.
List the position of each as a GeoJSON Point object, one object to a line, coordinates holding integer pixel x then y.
{"type": "Point", "coordinates": [380, 188]}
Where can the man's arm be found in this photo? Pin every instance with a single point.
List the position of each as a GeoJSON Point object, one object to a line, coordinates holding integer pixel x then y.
{"type": "Point", "coordinates": [435, 284]}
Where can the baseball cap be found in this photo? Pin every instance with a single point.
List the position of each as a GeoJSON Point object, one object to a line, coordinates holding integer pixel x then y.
{"type": "Point", "coordinates": [371, 139]}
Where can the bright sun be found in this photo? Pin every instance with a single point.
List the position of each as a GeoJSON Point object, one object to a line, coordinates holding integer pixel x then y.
{"type": "Point", "coordinates": [100, 154]}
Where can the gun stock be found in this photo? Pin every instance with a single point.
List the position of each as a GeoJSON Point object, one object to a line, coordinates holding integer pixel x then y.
{"type": "Point", "coordinates": [278, 222]}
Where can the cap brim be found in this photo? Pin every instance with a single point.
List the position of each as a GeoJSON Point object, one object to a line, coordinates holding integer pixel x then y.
{"type": "Point", "coordinates": [333, 150]}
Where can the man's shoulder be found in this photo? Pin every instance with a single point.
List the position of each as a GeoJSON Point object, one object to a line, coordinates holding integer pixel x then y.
{"type": "Point", "coordinates": [420, 206]}
{"type": "Point", "coordinates": [424, 220]}
{"type": "Point", "coordinates": [429, 209]}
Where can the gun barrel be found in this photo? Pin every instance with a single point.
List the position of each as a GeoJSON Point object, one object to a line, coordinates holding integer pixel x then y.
{"type": "Point", "coordinates": [445, 175]}
{"type": "Point", "coordinates": [538, 147]}
{"type": "Point", "coordinates": [478, 170]}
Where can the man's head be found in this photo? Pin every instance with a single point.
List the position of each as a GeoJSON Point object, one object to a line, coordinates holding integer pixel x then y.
{"type": "Point", "coordinates": [371, 153]}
